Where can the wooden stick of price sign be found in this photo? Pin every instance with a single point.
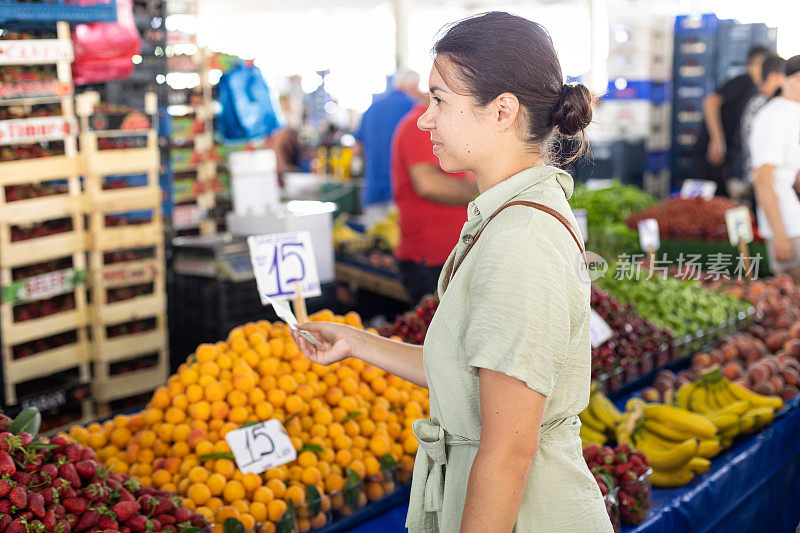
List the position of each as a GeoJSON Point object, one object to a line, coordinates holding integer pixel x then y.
{"type": "Point", "coordinates": [740, 233]}
{"type": "Point", "coordinates": [299, 304]}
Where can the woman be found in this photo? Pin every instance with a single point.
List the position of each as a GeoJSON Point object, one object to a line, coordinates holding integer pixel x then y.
{"type": "Point", "coordinates": [507, 356]}
{"type": "Point", "coordinates": [775, 156]}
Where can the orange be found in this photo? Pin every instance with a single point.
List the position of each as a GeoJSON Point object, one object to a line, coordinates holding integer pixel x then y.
{"type": "Point", "coordinates": [251, 482]}
{"type": "Point", "coordinates": [189, 376]}
{"type": "Point", "coordinates": [375, 491]}
{"type": "Point", "coordinates": [319, 521]}
{"type": "Point", "coordinates": [175, 415]}
{"type": "Point", "coordinates": [233, 491]}
{"type": "Point", "coordinates": [264, 410]}
{"type": "Point", "coordinates": [367, 427]}
{"type": "Point", "coordinates": [372, 466]}
{"type": "Point", "coordinates": [225, 512]}
{"type": "Point", "coordinates": [263, 495]}
{"type": "Point", "coordinates": [205, 353]}
{"type": "Point", "coordinates": [277, 487]}
{"type": "Point", "coordinates": [307, 458]}
{"type": "Point", "coordinates": [343, 458]}
{"type": "Point", "coordinates": [194, 393]}
{"type": "Point", "coordinates": [296, 494]}
{"type": "Point", "coordinates": [258, 510]}
{"type": "Point", "coordinates": [209, 369]}
{"type": "Point", "coordinates": [180, 449]}
{"type": "Point", "coordinates": [294, 404]}
{"type": "Point", "coordinates": [244, 382]}
{"type": "Point", "coordinates": [276, 397]}
{"type": "Point", "coordinates": [311, 476]}
{"type": "Point", "coordinates": [248, 521]}
{"type": "Point", "coordinates": [200, 410]}
{"type": "Point", "coordinates": [256, 396]}
{"type": "Point", "coordinates": [225, 467]}
{"type": "Point", "coordinates": [359, 468]}
{"type": "Point", "coordinates": [287, 383]}
{"type": "Point", "coordinates": [120, 437]}
{"type": "Point", "coordinates": [237, 398]}
{"type": "Point", "coordinates": [339, 414]}
{"type": "Point", "coordinates": [379, 445]}
{"type": "Point", "coordinates": [181, 432]}
{"type": "Point", "coordinates": [199, 493]}
{"type": "Point", "coordinates": [334, 395]}
{"type": "Point", "coordinates": [335, 430]}
{"type": "Point", "coordinates": [214, 392]}
{"type": "Point", "coordinates": [198, 474]}
{"type": "Point", "coordinates": [410, 445]}
{"type": "Point", "coordinates": [238, 415]}
{"type": "Point", "coordinates": [342, 443]}
{"type": "Point", "coordinates": [352, 428]}
{"type": "Point", "coordinates": [161, 398]}
{"type": "Point", "coordinates": [216, 483]}
{"type": "Point", "coordinates": [219, 410]}
{"type": "Point", "coordinates": [276, 509]}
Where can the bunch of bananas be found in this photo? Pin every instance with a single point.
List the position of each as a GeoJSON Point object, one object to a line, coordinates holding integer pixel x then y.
{"type": "Point", "coordinates": [599, 420]}
{"type": "Point", "coordinates": [343, 233]}
{"type": "Point", "coordinates": [387, 229]}
{"type": "Point", "coordinates": [733, 409]}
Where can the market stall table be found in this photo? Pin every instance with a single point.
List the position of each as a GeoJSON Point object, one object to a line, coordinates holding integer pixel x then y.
{"type": "Point", "coordinates": [754, 486]}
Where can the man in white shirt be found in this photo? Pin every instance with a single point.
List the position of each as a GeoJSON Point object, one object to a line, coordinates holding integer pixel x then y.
{"type": "Point", "coordinates": [775, 160]}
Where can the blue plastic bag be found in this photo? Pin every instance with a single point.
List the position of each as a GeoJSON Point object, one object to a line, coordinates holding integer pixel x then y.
{"type": "Point", "coordinates": [248, 109]}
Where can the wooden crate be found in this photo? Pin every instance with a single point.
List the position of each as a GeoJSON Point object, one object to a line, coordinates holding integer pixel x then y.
{"type": "Point", "coordinates": [108, 387]}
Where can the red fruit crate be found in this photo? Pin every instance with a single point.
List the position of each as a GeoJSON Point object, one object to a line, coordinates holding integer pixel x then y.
{"type": "Point", "coordinates": [129, 376]}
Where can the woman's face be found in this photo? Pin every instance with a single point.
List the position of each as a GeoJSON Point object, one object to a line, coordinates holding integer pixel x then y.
{"type": "Point", "coordinates": [461, 132]}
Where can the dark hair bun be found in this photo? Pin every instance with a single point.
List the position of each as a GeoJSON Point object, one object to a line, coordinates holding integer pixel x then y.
{"type": "Point", "coordinates": [573, 112]}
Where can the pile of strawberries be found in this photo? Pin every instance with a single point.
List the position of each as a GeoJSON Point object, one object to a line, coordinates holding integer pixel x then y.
{"type": "Point", "coordinates": [626, 470]}
{"type": "Point", "coordinates": [59, 486]}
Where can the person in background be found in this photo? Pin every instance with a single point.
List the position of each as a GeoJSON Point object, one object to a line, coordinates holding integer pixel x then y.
{"type": "Point", "coordinates": [718, 147]}
{"type": "Point", "coordinates": [374, 136]}
{"type": "Point", "coordinates": [775, 155]}
{"type": "Point", "coordinates": [431, 205]}
{"type": "Point", "coordinates": [772, 76]}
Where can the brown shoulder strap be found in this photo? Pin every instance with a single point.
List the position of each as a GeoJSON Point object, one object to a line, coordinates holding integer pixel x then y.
{"type": "Point", "coordinates": [535, 205]}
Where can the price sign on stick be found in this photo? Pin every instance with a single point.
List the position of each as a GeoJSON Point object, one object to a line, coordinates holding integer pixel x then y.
{"type": "Point", "coordinates": [279, 261]}
{"type": "Point", "coordinates": [740, 232]}
{"type": "Point", "coordinates": [583, 225]}
{"type": "Point", "coordinates": [698, 189]}
{"type": "Point", "coordinates": [261, 446]}
{"type": "Point", "coordinates": [649, 236]}
{"type": "Point", "coordinates": [599, 330]}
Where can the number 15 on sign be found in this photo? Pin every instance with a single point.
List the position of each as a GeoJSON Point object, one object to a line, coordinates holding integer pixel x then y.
{"type": "Point", "coordinates": [261, 446]}
{"type": "Point", "coordinates": [282, 259]}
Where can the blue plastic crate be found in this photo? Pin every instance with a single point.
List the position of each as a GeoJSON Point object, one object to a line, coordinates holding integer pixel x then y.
{"type": "Point", "coordinates": [12, 11]}
{"type": "Point", "coordinates": [655, 162]}
{"type": "Point", "coordinates": [657, 93]}
{"type": "Point", "coordinates": [692, 25]}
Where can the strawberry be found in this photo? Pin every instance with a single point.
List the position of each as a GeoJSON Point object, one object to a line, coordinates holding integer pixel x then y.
{"type": "Point", "coordinates": [17, 526]}
{"type": "Point", "coordinates": [125, 496]}
{"type": "Point", "coordinates": [68, 472]}
{"type": "Point", "coordinates": [182, 514]}
{"type": "Point", "coordinates": [166, 519]}
{"type": "Point", "coordinates": [50, 470]}
{"type": "Point", "coordinates": [197, 520]}
{"type": "Point", "coordinates": [35, 525]}
{"type": "Point", "coordinates": [96, 492]}
{"type": "Point", "coordinates": [5, 520]}
{"type": "Point", "coordinates": [5, 506]}
{"type": "Point", "coordinates": [5, 487]}
{"type": "Point", "coordinates": [74, 452]}
{"type": "Point", "coordinates": [153, 525]}
{"type": "Point", "coordinates": [75, 505]}
{"type": "Point", "coordinates": [88, 455]}
{"type": "Point", "coordinates": [59, 441]}
{"type": "Point", "coordinates": [36, 504]}
{"type": "Point", "coordinates": [67, 491]}
{"type": "Point", "coordinates": [126, 509]}
{"type": "Point", "coordinates": [86, 469]}
{"type": "Point", "coordinates": [18, 497]}
{"type": "Point", "coordinates": [108, 522]}
{"type": "Point", "coordinates": [169, 528]}
{"type": "Point", "coordinates": [25, 438]}
{"type": "Point", "coordinates": [23, 478]}
{"type": "Point", "coordinates": [165, 505]}
{"type": "Point", "coordinates": [49, 496]}
{"type": "Point", "coordinates": [137, 523]}
{"type": "Point", "coordinates": [89, 520]}
{"type": "Point", "coordinates": [7, 466]}
{"type": "Point", "coordinates": [148, 503]}
{"type": "Point", "coordinates": [50, 520]}
{"type": "Point", "coordinates": [60, 510]}
{"type": "Point", "coordinates": [132, 485]}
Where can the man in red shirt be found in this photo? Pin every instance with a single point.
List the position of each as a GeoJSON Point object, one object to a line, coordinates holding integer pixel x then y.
{"type": "Point", "coordinates": [431, 204]}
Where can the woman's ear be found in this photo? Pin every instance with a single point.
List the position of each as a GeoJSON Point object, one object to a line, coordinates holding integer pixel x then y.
{"type": "Point", "coordinates": [506, 111]}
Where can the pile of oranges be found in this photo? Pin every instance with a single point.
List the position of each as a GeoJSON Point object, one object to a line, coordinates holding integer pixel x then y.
{"type": "Point", "coordinates": [345, 420]}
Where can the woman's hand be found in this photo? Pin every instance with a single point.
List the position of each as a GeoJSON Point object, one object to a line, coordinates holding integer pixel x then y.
{"type": "Point", "coordinates": [337, 342]}
{"type": "Point", "coordinates": [782, 248]}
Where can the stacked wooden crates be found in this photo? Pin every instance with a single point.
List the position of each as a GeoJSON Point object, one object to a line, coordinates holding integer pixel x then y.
{"type": "Point", "coordinates": [44, 313]}
{"type": "Point", "coordinates": [122, 200]}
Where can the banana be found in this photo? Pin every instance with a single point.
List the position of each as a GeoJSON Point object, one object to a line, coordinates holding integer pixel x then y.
{"type": "Point", "coordinates": [711, 397]}
{"type": "Point", "coordinates": [709, 448]}
{"type": "Point", "coordinates": [749, 423]}
{"type": "Point", "coordinates": [658, 440]}
{"type": "Point", "coordinates": [763, 416]}
{"type": "Point", "coordinates": [731, 432]}
{"type": "Point", "coordinates": [736, 408]}
{"type": "Point", "coordinates": [666, 432]}
{"type": "Point", "coordinates": [633, 403]}
{"type": "Point", "coordinates": [725, 443]}
{"type": "Point", "coordinates": [623, 437]}
{"type": "Point", "coordinates": [755, 399]}
{"type": "Point", "coordinates": [682, 420]}
{"type": "Point", "coordinates": [723, 421]}
{"type": "Point", "coordinates": [684, 394]}
{"type": "Point", "coordinates": [698, 402]}
{"type": "Point", "coordinates": [668, 460]}
{"type": "Point", "coordinates": [699, 465]}
{"type": "Point", "coordinates": [672, 479]}
{"type": "Point", "coordinates": [725, 394]}
{"type": "Point", "coordinates": [592, 435]}
{"type": "Point", "coordinates": [588, 419]}
{"type": "Point", "coordinates": [605, 411]}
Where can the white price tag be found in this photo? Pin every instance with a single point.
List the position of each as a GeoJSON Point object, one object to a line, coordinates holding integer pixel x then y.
{"type": "Point", "coordinates": [188, 216]}
{"type": "Point", "coordinates": [35, 51]}
{"type": "Point", "coordinates": [281, 259]}
{"type": "Point", "coordinates": [599, 330]}
{"type": "Point", "coordinates": [740, 226]}
{"type": "Point", "coordinates": [36, 129]}
{"type": "Point", "coordinates": [583, 224]}
{"type": "Point", "coordinates": [261, 446]}
{"type": "Point", "coordinates": [649, 236]}
{"type": "Point", "coordinates": [704, 189]}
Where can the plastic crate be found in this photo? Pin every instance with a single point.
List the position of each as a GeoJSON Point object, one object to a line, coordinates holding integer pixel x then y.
{"type": "Point", "coordinates": [655, 162]}
{"type": "Point", "coordinates": [657, 93]}
{"type": "Point", "coordinates": [622, 160]}
{"type": "Point", "coordinates": [687, 25]}
{"type": "Point", "coordinates": [12, 11]}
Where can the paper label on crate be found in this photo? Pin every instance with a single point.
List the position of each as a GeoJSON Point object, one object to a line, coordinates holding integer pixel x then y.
{"type": "Point", "coordinates": [740, 225]}
{"type": "Point", "coordinates": [33, 89]}
{"type": "Point", "coordinates": [261, 446]}
{"type": "Point", "coordinates": [37, 129]}
{"type": "Point", "coordinates": [599, 330]}
{"type": "Point", "coordinates": [44, 285]}
{"type": "Point", "coordinates": [35, 51]}
{"type": "Point", "coordinates": [649, 236]}
{"type": "Point", "coordinates": [279, 261]}
{"type": "Point", "coordinates": [704, 189]}
{"type": "Point", "coordinates": [188, 216]}
{"type": "Point", "coordinates": [583, 224]}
